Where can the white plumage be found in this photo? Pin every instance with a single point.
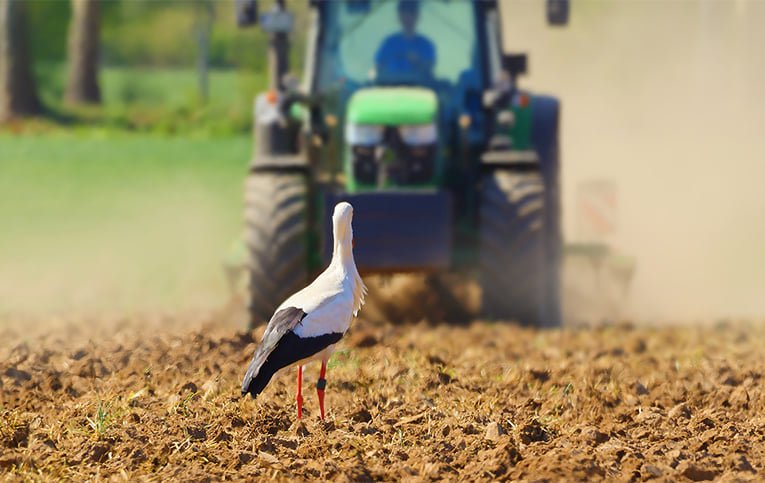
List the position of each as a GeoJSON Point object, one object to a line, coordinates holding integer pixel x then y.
{"type": "Point", "coordinates": [337, 294]}
{"type": "Point", "coordinates": [308, 324]}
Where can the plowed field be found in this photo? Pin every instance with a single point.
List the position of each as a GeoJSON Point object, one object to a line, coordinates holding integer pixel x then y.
{"type": "Point", "coordinates": [478, 402]}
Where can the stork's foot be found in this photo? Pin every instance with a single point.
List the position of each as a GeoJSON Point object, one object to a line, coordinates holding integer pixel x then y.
{"type": "Point", "coordinates": [326, 425]}
{"type": "Point", "coordinates": [299, 428]}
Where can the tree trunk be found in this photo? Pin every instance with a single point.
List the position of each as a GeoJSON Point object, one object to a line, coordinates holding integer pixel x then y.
{"type": "Point", "coordinates": [82, 84]}
{"type": "Point", "coordinates": [18, 92]}
{"type": "Point", "coordinates": [203, 28]}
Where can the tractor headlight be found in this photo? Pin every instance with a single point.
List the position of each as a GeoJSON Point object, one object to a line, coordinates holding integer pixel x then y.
{"type": "Point", "coordinates": [418, 135]}
{"type": "Point", "coordinates": [363, 134]}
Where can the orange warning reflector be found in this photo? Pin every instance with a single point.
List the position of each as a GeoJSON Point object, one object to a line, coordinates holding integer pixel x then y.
{"type": "Point", "coordinates": [271, 96]}
{"type": "Point", "coordinates": [523, 100]}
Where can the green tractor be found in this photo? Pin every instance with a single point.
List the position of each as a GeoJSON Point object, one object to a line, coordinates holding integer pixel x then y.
{"type": "Point", "coordinates": [410, 111]}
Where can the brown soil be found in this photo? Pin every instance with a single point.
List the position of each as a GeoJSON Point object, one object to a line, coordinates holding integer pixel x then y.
{"type": "Point", "coordinates": [482, 402]}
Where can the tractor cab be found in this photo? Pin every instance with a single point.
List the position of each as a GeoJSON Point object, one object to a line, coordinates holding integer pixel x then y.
{"type": "Point", "coordinates": [403, 72]}
{"type": "Point", "coordinates": [400, 74]}
{"type": "Point", "coordinates": [410, 111]}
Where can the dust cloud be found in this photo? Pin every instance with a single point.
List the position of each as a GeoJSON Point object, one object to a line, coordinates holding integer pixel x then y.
{"type": "Point", "coordinates": [147, 246]}
{"type": "Point", "coordinates": [666, 99]}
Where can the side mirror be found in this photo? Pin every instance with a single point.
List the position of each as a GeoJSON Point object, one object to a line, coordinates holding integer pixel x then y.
{"type": "Point", "coordinates": [515, 64]}
{"type": "Point", "coordinates": [557, 12]}
{"type": "Point", "coordinates": [246, 12]}
{"type": "Point", "coordinates": [276, 21]}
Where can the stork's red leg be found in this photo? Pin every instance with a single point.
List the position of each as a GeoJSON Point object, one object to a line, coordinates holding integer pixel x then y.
{"type": "Point", "coordinates": [299, 397]}
{"type": "Point", "coordinates": [320, 385]}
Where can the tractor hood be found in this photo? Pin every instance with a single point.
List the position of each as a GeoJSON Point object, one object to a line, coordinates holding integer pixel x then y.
{"type": "Point", "coordinates": [392, 106]}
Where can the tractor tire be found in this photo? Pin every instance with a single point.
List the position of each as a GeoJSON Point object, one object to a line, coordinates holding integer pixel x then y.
{"type": "Point", "coordinates": [276, 221]}
{"type": "Point", "coordinates": [545, 132]}
{"type": "Point", "coordinates": [513, 262]}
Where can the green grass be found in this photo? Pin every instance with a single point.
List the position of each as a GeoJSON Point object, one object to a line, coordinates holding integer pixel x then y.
{"type": "Point", "coordinates": [145, 85]}
{"type": "Point", "coordinates": [157, 100]}
{"type": "Point", "coordinates": [100, 219]}
{"type": "Point", "coordinates": [101, 420]}
{"type": "Point", "coordinates": [132, 204]}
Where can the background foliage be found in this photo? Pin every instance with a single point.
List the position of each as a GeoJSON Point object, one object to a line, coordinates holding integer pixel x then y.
{"type": "Point", "coordinates": [148, 57]}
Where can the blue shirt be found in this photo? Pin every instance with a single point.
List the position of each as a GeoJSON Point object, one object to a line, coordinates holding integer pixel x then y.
{"type": "Point", "coordinates": [403, 55]}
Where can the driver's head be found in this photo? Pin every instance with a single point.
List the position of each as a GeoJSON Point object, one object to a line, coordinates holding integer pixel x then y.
{"type": "Point", "coordinates": [408, 13]}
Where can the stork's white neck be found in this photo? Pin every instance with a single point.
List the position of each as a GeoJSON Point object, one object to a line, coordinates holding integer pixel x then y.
{"type": "Point", "coordinates": [342, 252]}
{"type": "Point", "coordinates": [342, 259]}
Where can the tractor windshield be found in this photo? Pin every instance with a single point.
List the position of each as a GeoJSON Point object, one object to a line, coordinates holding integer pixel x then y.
{"type": "Point", "coordinates": [430, 43]}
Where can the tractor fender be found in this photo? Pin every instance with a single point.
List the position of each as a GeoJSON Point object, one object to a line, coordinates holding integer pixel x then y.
{"type": "Point", "coordinates": [545, 126]}
{"type": "Point", "coordinates": [275, 137]}
{"type": "Point", "coordinates": [279, 163]}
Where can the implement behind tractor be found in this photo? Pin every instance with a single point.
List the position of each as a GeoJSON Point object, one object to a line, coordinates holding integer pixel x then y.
{"type": "Point", "coordinates": [410, 111]}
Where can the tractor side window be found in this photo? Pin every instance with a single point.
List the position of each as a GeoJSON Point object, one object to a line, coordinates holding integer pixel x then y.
{"type": "Point", "coordinates": [495, 50]}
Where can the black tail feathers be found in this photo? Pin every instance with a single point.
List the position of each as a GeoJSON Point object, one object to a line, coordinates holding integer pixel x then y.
{"type": "Point", "coordinates": [256, 385]}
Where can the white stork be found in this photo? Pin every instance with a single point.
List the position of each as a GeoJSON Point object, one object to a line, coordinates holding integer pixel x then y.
{"type": "Point", "coordinates": [308, 324]}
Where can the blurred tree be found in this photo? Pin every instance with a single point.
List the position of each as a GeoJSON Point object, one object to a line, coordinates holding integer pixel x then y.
{"type": "Point", "coordinates": [203, 26]}
{"type": "Point", "coordinates": [82, 83]}
{"type": "Point", "coordinates": [18, 91]}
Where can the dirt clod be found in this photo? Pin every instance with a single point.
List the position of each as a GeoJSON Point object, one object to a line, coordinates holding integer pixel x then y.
{"type": "Point", "coordinates": [361, 416]}
{"type": "Point", "coordinates": [498, 461]}
{"type": "Point", "coordinates": [223, 436]}
{"type": "Point", "coordinates": [268, 458]}
{"type": "Point", "coordinates": [534, 432]}
{"type": "Point", "coordinates": [680, 411]}
{"type": "Point", "coordinates": [300, 429]}
{"type": "Point", "coordinates": [17, 435]}
{"type": "Point", "coordinates": [739, 398]}
{"type": "Point", "coordinates": [539, 375]}
{"type": "Point", "coordinates": [593, 436]}
{"type": "Point", "coordinates": [197, 433]}
{"type": "Point", "coordinates": [368, 340]}
{"type": "Point", "coordinates": [494, 431]}
{"type": "Point", "coordinates": [739, 462]}
{"type": "Point", "coordinates": [695, 472]}
{"type": "Point", "coordinates": [17, 375]}
{"type": "Point", "coordinates": [138, 457]}
{"type": "Point", "coordinates": [99, 452]}
{"type": "Point", "coordinates": [651, 471]}
{"type": "Point", "coordinates": [189, 387]}
{"type": "Point", "coordinates": [444, 377]}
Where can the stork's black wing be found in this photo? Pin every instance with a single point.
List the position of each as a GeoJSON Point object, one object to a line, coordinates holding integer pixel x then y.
{"type": "Point", "coordinates": [282, 322]}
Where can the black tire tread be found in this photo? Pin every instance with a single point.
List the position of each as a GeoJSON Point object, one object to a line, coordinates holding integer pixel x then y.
{"type": "Point", "coordinates": [512, 246]}
{"type": "Point", "coordinates": [276, 227]}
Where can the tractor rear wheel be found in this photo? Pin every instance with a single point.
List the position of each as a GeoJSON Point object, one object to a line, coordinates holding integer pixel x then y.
{"type": "Point", "coordinates": [276, 205]}
{"type": "Point", "coordinates": [513, 261]}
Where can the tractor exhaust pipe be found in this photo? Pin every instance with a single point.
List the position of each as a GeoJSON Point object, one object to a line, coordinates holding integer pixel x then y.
{"type": "Point", "coordinates": [278, 23]}
{"type": "Point", "coordinates": [278, 53]}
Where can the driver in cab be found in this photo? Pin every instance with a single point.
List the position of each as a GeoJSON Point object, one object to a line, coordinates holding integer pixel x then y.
{"type": "Point", "coordinates": [406, 54]}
